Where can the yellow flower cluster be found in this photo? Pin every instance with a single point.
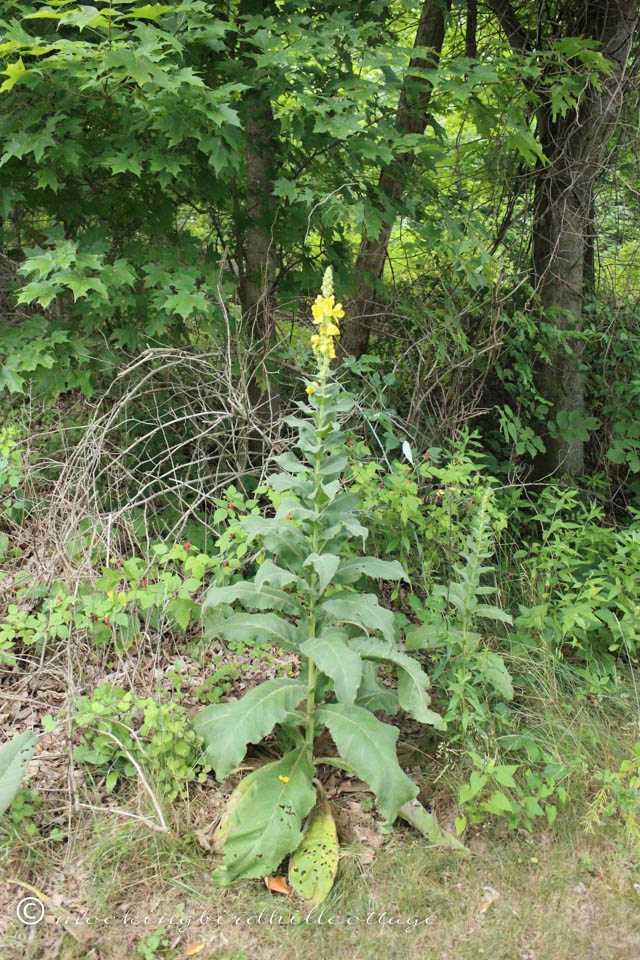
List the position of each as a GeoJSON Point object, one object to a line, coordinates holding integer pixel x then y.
{"type": "Point", "coordinates": [325, 312]}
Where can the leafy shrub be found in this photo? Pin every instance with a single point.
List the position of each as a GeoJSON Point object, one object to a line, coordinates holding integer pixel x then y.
{"type": "Point", "coordinates": [618, 796]}
{"type": "Point", "coordinates": [11, 477]}
{"type": "Point", "coordinates": [518, 792]}
{"type": "Point", "coordinates": [161, 593]}
{"type": "Point", "coordinates": [116, 727]}
{"type": "Point", "coordinates": [582, 578]}
{"type": "Point", "coordinates": [474, 676]}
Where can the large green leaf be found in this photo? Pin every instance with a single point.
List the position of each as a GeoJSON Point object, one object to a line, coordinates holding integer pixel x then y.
{"type": "Point", "coordinates": [14, 759]}
{"type": "Point", "coordinates": [370, 747]}
{"type": "Point", "coordinates": [269, 572]}
{"type": "Point", "coordinates": [254, 627]}
{"type": "Point", "coordinates": [362, 609]}
{"type": "Point", "coordinates": [253, 597]}
{"type": "Point", "coordinates": [227, 728]}
{"type": "Point", "coordinates": [291, 509]}
{"type": "Point", "coordinates": [289, 461]}
{"type": "Point", "coordinates": [352, 570]}
{"type": "Point", "coordinates": [412, 680]}
{"type": "Point", "coordinates": [283, 482]}
{"type": "Point", "coordinates": [313, 866]}
{"type": "Point", "coordinates": [283, 540]}
{"type": "Point", "coordinates": [331, 654]}
{"type": "Point", "coordinates": [224, 825]}
{"type": "Point", "coordinates": [325, 565]}
{"type": "Point", "coordinates": [372, 694]}
{"type": "Point", "coordinates": [265, 823]}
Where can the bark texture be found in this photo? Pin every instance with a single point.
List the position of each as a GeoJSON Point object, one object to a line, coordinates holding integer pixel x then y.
{"type": "Point", "coordinates": [575, 147]}
{"type": "Point", "coordinates": [411, 117]}
{"type": "Point", "coordinates": [257, 254]}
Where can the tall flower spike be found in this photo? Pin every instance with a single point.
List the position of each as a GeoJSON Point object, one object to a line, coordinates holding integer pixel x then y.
{"type": "Point", "coordinates": [326, 312]}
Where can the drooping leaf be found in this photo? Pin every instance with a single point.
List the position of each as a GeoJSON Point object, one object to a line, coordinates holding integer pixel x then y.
{"type": "Point", "coordinates": [325, 565]}
{"type": "Point", "coordinates": [269, 572]}
{"type": "Point", "coordinates": [266, 823]}
{"type": "Point", "coordinates": [372, 694]}
{"type": "Point", "coordinates": [412, 680]}
{"type": "Point", "coordinates": [14, 759]}
{"type": "Point", "coordinates": [283, 540]}
{"type": "Point", "coordinates": [227, 728]}
{"type": "Point", "coordinates": [331, 654]}
{"type": "Point", "coordinates": [257, 627]}
{"type": "Point", "coordinates": [423, 821]}
{"type": "Point", "coordinates": [362, 609]}
{"type": "Point", "coordinates": [352, 570]}
{"type": "Point", "coordinates": [252, 596]}
{"type": "Point", "coordinates": [496, 673]}
{"type": "Point", "coordinates": [313, 866]}
{"type": "Point", "coordinates": [370, 747]}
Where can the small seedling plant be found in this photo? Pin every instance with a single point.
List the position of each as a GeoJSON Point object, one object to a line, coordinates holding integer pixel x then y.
{"type": "Point", "coordinates": [312, 581]}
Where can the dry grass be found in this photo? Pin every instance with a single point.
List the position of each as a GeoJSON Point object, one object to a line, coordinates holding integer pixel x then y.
{"type": "Point", "coordinates": [554, 898]}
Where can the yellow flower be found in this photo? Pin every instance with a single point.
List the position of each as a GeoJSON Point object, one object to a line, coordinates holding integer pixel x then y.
{"type": "Point", "coordinates": [325, 312]}
{"type": "Point", "coordinates": [284, 779]}
{"type": "Point", "coordinates": [312, 388]}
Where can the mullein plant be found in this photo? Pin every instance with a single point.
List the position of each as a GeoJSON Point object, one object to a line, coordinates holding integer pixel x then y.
{"type": "Point", "coordinates": [311, 580]}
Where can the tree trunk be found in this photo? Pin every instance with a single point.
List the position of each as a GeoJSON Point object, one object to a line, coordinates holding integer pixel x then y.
{"type": "Point", "coordinates": [574, 147]}
{"type": "Point", "coordinates": [561, 206]}
{"type": "Point", "coordinates": [411, 117]}
{"type": "Point", "coordinates": [257, 256]}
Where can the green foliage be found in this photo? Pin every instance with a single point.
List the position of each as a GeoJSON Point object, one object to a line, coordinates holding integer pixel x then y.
{"type": "Point", "coordinates": [14, 759]}
{"type": "Point", "coordinates": [475, 677]}
{"type": "Point", "coordinates": [154, 944]}
{"type": "Point", "coordinates": [117, 728]}
{"type": "Point", "coordinates": [11, 477]}
{"type": "Point", "coordinates": [513, 791]}
{"type": "Point", "coordinates": [618, 796]}
{"type": "Point", "coordinates": [161, 592]}
{"type": "Point", "coordinates": [581, 580]}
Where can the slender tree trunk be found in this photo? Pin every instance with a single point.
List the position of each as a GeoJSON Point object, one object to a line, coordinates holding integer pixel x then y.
{"type": "Point", "coordinates": [411, 117]}
{"type": "Point", "coordinates": [258, 256]}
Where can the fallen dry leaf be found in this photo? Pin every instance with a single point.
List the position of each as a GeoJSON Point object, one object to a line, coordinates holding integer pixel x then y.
{"type": "Point", "coordinates": [489, 897]}
{"type": "Point", "coordinates": [277, 885]}
{"type": "Point", "coordinates": [193, 949]}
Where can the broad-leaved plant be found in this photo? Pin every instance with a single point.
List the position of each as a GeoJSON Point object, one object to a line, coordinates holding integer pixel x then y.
{"type": "Point", "coordinates": [307, 597]}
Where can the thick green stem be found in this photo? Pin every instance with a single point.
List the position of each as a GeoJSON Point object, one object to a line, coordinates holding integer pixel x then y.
{"type": "Point", "coordinates": [317, 477]}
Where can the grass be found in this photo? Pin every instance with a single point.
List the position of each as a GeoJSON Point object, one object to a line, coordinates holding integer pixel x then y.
{"type": "Point", "coordinates": [516, 898]}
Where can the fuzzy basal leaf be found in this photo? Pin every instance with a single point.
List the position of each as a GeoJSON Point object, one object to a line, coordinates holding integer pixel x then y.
{"type": "Point", "coordinates": [265, 823]}
{"type": "Point", "coordinates": [14, 759]}
{"type": "Point", "coordinates": [313, 866]}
